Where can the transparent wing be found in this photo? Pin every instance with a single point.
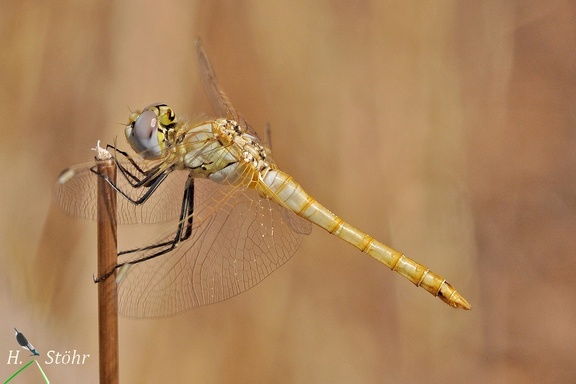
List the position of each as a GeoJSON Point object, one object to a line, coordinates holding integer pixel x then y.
{"type": "Point", "coordinates": [220, 103]}
{"type": "Point", "coordinates": [238, 238]}
{"type": "Point", "coordinates": [75, 193]}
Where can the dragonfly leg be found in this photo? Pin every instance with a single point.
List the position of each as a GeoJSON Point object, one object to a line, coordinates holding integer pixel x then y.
{"type": "Point", "coordinates": [146, 177]}
{"type": "Point", "coordinates": [151, 183]}
{"type": "Point", "coordinates": [183, 232]}
{"type": "Point", "coordinates": [127, 157]}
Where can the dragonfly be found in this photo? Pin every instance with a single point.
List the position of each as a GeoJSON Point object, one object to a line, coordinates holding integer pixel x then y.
{"type": "Point", "coordinates": [236, 216]}
{"type": "Point", "coordinates": [24, 343]}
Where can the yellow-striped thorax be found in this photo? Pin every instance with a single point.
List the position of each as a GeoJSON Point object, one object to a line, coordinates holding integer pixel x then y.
{"type": "Point", "coordinates": [219, 149]}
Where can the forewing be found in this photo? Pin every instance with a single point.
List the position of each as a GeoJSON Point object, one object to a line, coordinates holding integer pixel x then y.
{"type": "Point", "coordinates": [220, 103]}
{"type": "Point", "coordinates": [238, 239]}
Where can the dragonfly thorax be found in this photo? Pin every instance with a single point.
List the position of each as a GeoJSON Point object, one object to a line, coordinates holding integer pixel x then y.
{"type": "Point", "coordinates": [223, 152]}
{"type": "Point", "coordinates": [248, 148]}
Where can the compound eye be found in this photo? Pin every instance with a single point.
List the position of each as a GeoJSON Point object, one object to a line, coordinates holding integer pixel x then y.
{"type": "Point", "coordinates": [142, 134]}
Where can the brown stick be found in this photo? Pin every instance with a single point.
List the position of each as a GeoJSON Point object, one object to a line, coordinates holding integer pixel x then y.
{"type": "Point", "coordinates": [107, 259]}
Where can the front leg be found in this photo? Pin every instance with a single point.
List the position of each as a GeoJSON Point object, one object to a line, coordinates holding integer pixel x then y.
{"type": "Point", "coordinates": [151, 183]}
{"type": "Point", "coordinates": [136, 180]}
{"type": "Point", "coordinates": [149, 179]}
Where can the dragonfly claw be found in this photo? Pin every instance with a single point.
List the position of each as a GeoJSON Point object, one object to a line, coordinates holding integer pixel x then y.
{"type": "Point", "coordinates": [101, 278]}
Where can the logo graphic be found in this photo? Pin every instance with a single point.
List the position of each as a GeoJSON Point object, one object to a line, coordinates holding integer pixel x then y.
{"type": "Point", "coordinates": [51, 357]}
{"type": "Point", "coordinates": [21, 339]}
{"type": "Point", "coordinates": [24, 343]}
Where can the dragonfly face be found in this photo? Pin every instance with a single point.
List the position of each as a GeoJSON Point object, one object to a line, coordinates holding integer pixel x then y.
{"type": "Point", "coordinates": [149, 131]}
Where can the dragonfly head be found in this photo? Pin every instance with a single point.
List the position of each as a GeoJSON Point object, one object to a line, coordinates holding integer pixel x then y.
{"type": "Point", "coordinates": [149, 131]}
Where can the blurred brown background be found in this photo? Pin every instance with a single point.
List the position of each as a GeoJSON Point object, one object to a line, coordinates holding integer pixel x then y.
{"type": "Point", "coordinates": [445, 129]}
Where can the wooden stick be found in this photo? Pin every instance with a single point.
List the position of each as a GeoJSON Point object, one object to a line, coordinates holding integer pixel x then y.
{"type": "Point", "coordinates": [107, 259]}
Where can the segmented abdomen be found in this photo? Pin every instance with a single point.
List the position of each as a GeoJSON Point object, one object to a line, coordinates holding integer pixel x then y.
{"type": "Point", "coordinates": [286, 192]}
